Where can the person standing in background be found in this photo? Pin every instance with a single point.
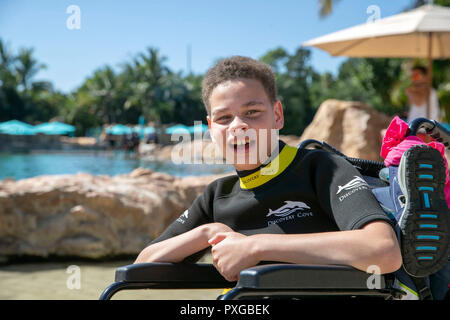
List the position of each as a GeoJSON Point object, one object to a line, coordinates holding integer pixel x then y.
{"type": "Point", "coordinates": [417, 96]}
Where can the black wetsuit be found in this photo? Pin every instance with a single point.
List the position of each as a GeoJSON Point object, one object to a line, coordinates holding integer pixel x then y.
{"type": "Point", "coordinates": [312, 191]}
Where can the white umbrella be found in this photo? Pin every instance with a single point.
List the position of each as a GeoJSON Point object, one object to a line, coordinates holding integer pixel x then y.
{"type": "Point", "coordinates": [420, 33]}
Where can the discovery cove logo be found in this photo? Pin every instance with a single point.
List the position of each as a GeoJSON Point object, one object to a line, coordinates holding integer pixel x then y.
{"type": "Point", "coordinates": [287, 211]}
{"type": "Point", "coordinates": [352, 186]}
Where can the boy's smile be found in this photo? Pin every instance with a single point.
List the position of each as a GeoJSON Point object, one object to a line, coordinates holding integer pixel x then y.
{"type": "Point", "coordinates": [242, 122]}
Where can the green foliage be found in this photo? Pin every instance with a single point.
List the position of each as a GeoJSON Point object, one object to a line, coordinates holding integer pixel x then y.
{"type": "Point", "coordinates": [441, 81]}
{"type": "Point", "coordinates": [20, 97]}
{"type": "Point", "coordinates": [302, 90]}
{"type": "Point", "coordinates": [145, 86]}
{"type": "Point", "coordinates": [418, 3]}
{"type": "Point", "coordinates": [326, 7]}
{"type": "Point", "coordinates": [370, 81]}
{"type": "Point", "coordinates": [293, 77]}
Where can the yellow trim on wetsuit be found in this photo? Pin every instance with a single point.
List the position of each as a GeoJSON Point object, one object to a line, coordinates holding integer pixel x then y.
{"type": "Point", "coordinates": [276, 167]}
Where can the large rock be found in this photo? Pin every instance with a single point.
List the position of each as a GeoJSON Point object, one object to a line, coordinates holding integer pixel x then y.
{"type": "Point", "coordinates": [351, 127]}
{"type": "Point", "coordinates": [91, 216]}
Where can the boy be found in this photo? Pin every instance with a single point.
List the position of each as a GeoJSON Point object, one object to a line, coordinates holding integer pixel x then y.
{"type": "Point", "coordinates": [285, 204]}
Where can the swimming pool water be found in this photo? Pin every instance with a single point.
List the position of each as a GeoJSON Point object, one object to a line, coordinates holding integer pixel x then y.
{"type": "Point", "coordinates": [26, 165]}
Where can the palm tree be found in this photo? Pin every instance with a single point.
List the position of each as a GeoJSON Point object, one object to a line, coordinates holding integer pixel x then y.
{"type": "Point", "coordinates": [326, 7]}
{"type": "Point", "coordinates": [98, 93]}
{"type": "Point", "coordinates": [21, 97]}
{"type": "Point", "coordinates": [153, 64]}
{"type": "Point", "coordinates": [26, 69]}
{"type": "Point", "coordinates": [149, 72]}
{"type": "Point", "coordinates": [7, 60]}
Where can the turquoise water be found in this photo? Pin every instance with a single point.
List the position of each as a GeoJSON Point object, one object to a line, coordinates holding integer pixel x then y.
{"type": "Point", "coordinates": [27, 165]}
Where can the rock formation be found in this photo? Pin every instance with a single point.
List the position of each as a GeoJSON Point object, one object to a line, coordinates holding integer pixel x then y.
{"type": "Point", "coordinates": [91, 216]}
{"type": "Point", "coordinates": [351, 127]}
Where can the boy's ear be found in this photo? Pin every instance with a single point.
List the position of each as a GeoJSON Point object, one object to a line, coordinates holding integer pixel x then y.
{"type": "Point", "coordinates": [279, 116]}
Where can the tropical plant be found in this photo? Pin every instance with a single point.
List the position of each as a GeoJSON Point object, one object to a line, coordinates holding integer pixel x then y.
{"type": "Point", "coordinates": [21, 96]}
{"type": "Point", "coordinates": [326, 7]}
{"type": "Point", "coordinates": [294, 76]}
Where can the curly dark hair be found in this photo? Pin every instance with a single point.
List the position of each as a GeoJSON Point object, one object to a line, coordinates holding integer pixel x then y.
{"type": "Point", "coordinates": [238, 67]}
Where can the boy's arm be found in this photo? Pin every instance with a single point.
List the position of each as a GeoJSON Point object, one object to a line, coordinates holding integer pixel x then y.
{"type": "Point", "coordinates": [374, 244]}
{"type": "Point", "coordinates": [186, 235]}
{"type": "Point", "coordinates": [177, 248]}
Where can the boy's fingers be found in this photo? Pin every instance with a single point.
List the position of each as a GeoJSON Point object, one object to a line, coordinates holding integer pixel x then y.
{"type": "Point", "coordinates": [217, 238]}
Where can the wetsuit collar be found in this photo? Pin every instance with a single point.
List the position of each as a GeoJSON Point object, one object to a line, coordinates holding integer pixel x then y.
{"type": "Point", "coordinates": [250, 179]}
{"type": "Point", "coordinates": [244, 173]}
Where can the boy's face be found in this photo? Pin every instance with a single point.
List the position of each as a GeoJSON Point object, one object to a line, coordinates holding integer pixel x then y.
{"type": "Point", "coordinates": [243, 122]}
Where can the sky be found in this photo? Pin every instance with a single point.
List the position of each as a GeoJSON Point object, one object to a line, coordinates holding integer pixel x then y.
{"type": "Point", "coordinates": [114, 32]}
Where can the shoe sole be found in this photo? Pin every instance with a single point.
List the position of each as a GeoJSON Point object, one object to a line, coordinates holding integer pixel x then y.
{"type": "Point", "coordinates": [424, 221]}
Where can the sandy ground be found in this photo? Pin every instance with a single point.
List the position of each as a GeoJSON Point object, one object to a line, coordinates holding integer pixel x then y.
{"type": "Point", "coordinates": [48, 281]}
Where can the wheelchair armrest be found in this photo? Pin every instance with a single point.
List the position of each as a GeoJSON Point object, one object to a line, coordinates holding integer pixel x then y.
{"type": "Point", "coordinates": [174, 275]}
{"type": "Point", "coordinates": [290, 278]}
{"type": "Point", "coordinates": [295, 276]}
{"type": "Point", "coordinates": [166, 276]}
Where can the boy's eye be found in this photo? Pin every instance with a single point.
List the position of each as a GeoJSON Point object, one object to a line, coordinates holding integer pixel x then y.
{"type": "Point", "coordinates": [223, 118]}
{"type": "Point", "coordinates": [252, 112]}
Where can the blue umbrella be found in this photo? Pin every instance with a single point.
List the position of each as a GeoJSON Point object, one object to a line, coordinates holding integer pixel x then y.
{"type": "Point", "coordinates": [118, 129]}
{"type": "Point", "coordinates": [140, 130]}
{"type": "Point", "coordinates": [54, 128]}
{"type": "Point", "coordinates": [196, 128]}
{"type": "Point", "coordinates": [178, 129]}
{"type": "Point", "coordinates": [16, 127]}
{"type": "Point", "coordinates": [149, 130]}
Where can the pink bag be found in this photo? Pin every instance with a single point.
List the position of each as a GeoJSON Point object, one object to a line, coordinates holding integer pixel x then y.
{"type": "Point", "coordinates": [395, 143]}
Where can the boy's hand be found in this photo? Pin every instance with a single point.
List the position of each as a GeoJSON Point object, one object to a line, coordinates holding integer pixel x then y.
{"type": "Point", "coordinates": [232, 252]}
{"type": "Point", "coordinates": [211, 229]}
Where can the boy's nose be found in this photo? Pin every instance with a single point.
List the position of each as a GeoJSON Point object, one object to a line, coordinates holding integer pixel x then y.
{"type": "Point", "coordinates": [237, 125]}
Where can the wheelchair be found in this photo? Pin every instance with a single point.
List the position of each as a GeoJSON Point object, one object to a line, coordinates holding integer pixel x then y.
{"type": "Point", "coordinates": [279, 280]}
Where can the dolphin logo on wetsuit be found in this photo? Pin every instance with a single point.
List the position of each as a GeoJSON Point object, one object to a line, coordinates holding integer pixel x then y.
{"type": "Point", "coordinates": [354, 183]}
{"type": "Point", "coordinates": [288, 208]}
